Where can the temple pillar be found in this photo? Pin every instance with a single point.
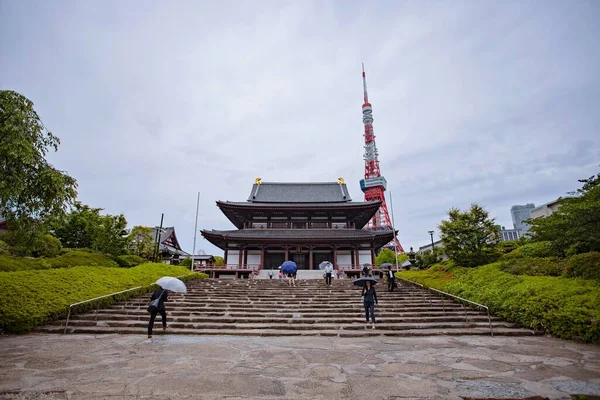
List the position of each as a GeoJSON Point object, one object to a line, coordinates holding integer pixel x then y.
{"type": "Point", "coordinates": [287, 255]}
{"type": "Point", "coordinates": [262, 257]}
{"type": "Point", "coordinates": [225, 255]}
{"type": "Point", "coordinates": [335, 264]}
{"type": "Point", "coordinates": [356, 257]}
{"type": "Point", "coordinates": [240, 254]}
{"type": "Point", "coordinates": [372, 256]}
{"type": "Point", "coordinates": [310, 257]}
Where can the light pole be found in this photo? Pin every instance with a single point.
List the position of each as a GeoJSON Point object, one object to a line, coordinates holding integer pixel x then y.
{"type": "Point", "coordinates": [432, 246]}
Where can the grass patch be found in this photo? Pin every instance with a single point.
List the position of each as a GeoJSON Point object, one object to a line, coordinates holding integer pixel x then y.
{"type": "Point", "coordinates": [32, 297]}
{"type": "Point", "coordinates": [563, 307]}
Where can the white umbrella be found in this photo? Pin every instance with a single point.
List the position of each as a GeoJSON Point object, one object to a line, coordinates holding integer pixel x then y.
{"type": "Point", "coordinates": [171, 284]}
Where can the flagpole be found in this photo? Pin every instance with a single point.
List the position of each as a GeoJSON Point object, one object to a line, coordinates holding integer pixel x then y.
{"type": "Point", "coordinates": [195, 231]}
{"type": "Point", "coordinates": [394, 229]}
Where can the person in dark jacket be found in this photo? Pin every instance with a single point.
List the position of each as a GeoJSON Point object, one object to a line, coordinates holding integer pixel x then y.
{"type": "Point", "coordinates": [163, 294]}
{"type": "Point", "coordinates": [369, 301]}
{"type": "Point", "coordinates": [391, 279]}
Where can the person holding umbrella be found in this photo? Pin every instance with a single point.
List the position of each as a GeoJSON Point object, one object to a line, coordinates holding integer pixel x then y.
{"type": "Point", "coordinates": [159, 297]}
{"type": "Point", "coordinates": [289, 268]}
{"type": "Point", "coordinates": [328, 272]}
{"type": "Point", "coordinates": [369, 300]}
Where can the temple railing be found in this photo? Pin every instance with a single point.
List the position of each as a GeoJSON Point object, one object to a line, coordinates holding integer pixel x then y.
{"type": "Point", "coordinates": [298, 225]}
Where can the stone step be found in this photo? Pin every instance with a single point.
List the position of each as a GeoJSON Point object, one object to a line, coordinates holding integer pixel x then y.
{"type": "Point", "coordinates": [280, 319]}
{"type": "Point", "coordinates": [271, 308]}
{"type": "Point", "coordinates": [366, 332]}
{"type": "Point", "coordinates": [297, 326]}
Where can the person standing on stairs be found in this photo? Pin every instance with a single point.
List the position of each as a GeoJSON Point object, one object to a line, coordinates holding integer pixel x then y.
{"type": "Point", "coordinates": [391, 279]}
{"type": "Point", "coordinates": [328, 272]}
{"type": "Point", "coordinates": [162, 295]}
{"type": "Point", "coordinates": [369, 297]}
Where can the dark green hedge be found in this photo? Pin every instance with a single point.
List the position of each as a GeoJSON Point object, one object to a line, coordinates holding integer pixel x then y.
{"type": "Point", "coordinates": [31, 298]}
{"type": "Point", "coordinates": [70, 259]}
{"type": "Point", "coordinates": [129, 261]}
{"type": "Point", "coordinates": [563, 307]}
{"type": "Point", "coordinates": [534, 249]}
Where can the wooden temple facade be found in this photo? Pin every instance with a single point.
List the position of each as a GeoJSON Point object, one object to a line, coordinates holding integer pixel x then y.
{"type": "Point", "coordinates": [304, 222]}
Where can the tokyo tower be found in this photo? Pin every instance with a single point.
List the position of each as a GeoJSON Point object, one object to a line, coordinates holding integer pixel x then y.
{"type": "Point", "coordinates": [374, 185]}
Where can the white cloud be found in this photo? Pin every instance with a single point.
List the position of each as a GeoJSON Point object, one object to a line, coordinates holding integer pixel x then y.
{"type": "Point", "coordinates": [155, 101]}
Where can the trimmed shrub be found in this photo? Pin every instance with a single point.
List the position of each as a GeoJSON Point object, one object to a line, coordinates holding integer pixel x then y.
{"type": "Point", "coordinates": [547, 266]}
{"type": "Point", "coordinates": [508, 246]}
{"type": "Point", "coordinates": [534, 249]}
{"type": "Point", "coordinates": [50, 246]}
{"type": "Point", "coordinates": [78, 257]}
{"type": "Point", "coordinates": [129, 261]}
{"type": "Point", "coordinates": [8, 263]}
{"type": "Point", "coordinates": [4, 248]}
{"type": "Point", "coordinates": [32, 298]}
{"type": "Point", "coordinates": [563, 307]}
{"type": "Point", "coordinates": [586, 266]}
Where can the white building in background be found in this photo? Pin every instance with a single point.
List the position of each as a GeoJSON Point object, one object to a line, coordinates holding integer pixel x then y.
{"type": "Point", "coordinates": [546, 209]}
{"type": "Point", "coordinates": [520, 214]}
{"type": "Point", "coordinates": [510, 234]}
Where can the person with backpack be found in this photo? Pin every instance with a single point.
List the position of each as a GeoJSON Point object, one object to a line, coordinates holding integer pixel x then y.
{"type": "Point", "coordinates": [158, 307]}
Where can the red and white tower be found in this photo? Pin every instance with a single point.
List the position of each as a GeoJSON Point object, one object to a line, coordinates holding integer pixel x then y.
{"type": "Point", "coordinates": [374, 184]}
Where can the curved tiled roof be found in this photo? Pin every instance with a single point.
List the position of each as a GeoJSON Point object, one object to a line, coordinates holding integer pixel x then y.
{"type": "Point", "coordinates": [280, 192]}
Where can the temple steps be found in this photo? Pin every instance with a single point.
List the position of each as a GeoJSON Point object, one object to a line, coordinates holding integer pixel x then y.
{"type": "Point", "coordinates": [271, 308]}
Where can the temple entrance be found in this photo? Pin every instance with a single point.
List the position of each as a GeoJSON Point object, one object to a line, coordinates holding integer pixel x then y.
{"type": "Point", "coordinates": [301, 260]}
{"type": "Point", "coordinates": [273, 260]}
{"type": "Point", "coordinates": [319, 257]}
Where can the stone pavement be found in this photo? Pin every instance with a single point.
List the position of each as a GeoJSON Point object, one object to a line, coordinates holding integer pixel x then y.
{"type": "Point", "coordinates": [47, 366]}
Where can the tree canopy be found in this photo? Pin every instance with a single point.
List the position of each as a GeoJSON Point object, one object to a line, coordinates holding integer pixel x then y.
{"type": "Point", "coordinates": [575, 227]}
{"type": "Point", "coordinates": [470, 237]}
{"type": "Point", "coordinates": [85, 227]}
{"type": "Point", "coordinates": [31, 189]}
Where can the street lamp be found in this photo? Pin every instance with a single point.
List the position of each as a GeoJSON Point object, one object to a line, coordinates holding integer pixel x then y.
{"type": "Point", "coordinates": [432, 246]}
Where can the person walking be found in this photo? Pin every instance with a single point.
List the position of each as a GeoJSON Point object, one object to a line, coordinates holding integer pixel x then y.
{"type": "Point", "coordinates": [366, 271]}
{"type": "Point", "coordinates": [162, 295]}
{"type": "Point", "coordinates": [328, 272]}
{"type": "Point", "coordinates": [391, 279]}
{"type": "Point", "coordinates": [369, 297]}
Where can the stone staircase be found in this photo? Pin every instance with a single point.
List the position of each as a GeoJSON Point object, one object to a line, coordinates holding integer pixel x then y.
{"type": "Point", "coordinates": [272, 308]}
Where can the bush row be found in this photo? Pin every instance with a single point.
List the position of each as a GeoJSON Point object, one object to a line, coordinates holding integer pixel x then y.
{"type": "Point", "coordinates": [69, 259]}
{"type": "Point", "coordinates": [585, 265]}
{"type": "Point", "coordinates": [563, 307]}
{"type": "Point", "coordinates": [31, 298]}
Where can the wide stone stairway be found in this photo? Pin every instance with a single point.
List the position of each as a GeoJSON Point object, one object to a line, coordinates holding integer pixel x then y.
{"type": "Point", "coordinates": [272, 308]}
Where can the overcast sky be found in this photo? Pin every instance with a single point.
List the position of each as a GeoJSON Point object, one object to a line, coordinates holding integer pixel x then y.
{"type": "Point", "coordinates": [494, 102]}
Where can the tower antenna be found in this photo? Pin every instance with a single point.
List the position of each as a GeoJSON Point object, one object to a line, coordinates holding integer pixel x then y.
{"type": "Point", "coordinates": [374, 184]}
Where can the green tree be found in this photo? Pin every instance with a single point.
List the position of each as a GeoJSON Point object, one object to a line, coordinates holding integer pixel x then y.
{"type": "Point", "coordinates": [385, 256]}
{"type": "Point", "coordinates": [575, 227]}
{"type": "Point", "coordinates": [470, 237]}
{"type": "Point", "coordinates": [141, 242]}
{"type": "Point", "coordinates": [85, 227]}
{"type": "Point", "coordinates": [31, 190]}
{"type": "Point", "coordinates": [219, 261]}
{"type": "Point", "coordinates": [426, 259]}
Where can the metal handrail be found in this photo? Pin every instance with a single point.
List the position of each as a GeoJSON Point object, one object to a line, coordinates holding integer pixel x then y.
{"type": "Point", "coordinates": [95, 298]}
{"type": "Point", "coordinates": [102, 297]}
{"type": "Point", "coordinates": [455, 297]}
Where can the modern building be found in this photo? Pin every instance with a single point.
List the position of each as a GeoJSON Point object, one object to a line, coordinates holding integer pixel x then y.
{"type": "Point", "coordinates": [304, 222]}
{"type": "Point", "coordinates": [546, 209]}
{"type": "Point", "coordinates": [429, 247]}
{"type": "Point", "coordinates": [510, 234]}
{"type": "Point", "coordinates": [520, 214]}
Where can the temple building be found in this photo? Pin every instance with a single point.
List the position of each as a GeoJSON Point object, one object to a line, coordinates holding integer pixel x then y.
{"type": "Point", "coordinates": [304, 222]}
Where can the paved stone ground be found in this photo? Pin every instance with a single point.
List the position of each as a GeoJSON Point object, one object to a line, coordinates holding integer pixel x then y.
{"type": "Point", "coordinates": [45, 366]}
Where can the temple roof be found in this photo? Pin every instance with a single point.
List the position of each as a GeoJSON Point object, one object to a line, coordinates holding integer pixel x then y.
{"type": "Point", "coordinates": [280, 192]}
{"type": "Point", "coordinates": [359, 212]}
{"type": "Point", "coordinates": [313, 236]}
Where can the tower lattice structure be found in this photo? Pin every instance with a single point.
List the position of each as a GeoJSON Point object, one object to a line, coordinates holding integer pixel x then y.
{"type": "Point", "coordinates": [374, 184]}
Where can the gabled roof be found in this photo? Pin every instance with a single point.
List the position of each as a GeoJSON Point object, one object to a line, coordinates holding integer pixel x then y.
{"type": "Point", "coordinates": [280, 192]}
{"type": "Point", "coordinates": [168, 240]}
